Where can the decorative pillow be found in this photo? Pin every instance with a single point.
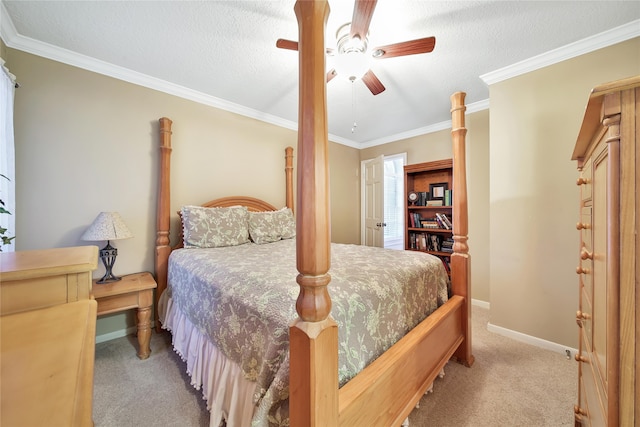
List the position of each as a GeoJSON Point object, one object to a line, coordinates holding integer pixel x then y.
{"type": "Point", "coordinates": [271, 226]}
{"type": "Point", "coordinates": [214, 227]}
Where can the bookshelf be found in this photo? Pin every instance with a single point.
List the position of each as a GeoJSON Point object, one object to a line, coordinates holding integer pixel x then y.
{"type": "Point", "coordinates": [428, 208]}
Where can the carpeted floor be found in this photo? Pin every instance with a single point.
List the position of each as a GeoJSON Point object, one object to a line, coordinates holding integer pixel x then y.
{"type": "Point", "coordinates": [510, 384]}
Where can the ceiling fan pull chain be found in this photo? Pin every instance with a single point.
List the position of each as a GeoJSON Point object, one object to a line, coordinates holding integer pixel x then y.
{"type": "Point", "coordinates": [353, 104]}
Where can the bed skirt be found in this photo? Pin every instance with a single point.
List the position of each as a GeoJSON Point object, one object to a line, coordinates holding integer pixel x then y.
{"type": "Point", "coordinates": [228, 394]}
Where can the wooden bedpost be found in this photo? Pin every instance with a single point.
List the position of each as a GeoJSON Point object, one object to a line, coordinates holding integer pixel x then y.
{"type": "Point", "coordinates": [460, 260]}
{"type": "Point", "coordinates": [288, 171]}
{"type": "Point", "coordinates": [313, 383]}
{"type": "Point", "coordinates": [163, 248]}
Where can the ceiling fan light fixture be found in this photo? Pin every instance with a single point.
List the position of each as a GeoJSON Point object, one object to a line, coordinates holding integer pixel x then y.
{"type": "Point", "coordinates": [352, 61]}
{"type": "Point", "coordinates": [352, 65]}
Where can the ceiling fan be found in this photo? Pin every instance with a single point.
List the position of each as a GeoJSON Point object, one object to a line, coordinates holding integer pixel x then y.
{"type": "Point", "coordinates": [351, 54]}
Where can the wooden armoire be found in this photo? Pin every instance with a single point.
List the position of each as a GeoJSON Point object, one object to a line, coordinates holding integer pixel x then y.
{"type": "Point", "coordinates": [607, 152]}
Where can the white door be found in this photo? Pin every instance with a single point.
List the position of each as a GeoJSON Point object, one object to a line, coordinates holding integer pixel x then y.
{"type": "Point", "coordinates": [373, 202]}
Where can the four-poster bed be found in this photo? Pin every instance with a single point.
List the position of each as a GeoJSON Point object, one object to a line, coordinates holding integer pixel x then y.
{"type": "Point", "coordinates": [385, 391]}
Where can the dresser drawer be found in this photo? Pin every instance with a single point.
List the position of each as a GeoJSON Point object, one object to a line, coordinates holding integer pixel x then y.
{"type": "Point", "coordinates": [43, 278]}
{"type": "Point", "coordinates": [591, 399]}
{"type": "Point", "coordinates": [585, 226]}
{"type": "Point", "coordinates": [584, 181]}
{"type": "Point", "coordinates": [23, 295]}
{"type": "Point", "coordinates": [586, 322]}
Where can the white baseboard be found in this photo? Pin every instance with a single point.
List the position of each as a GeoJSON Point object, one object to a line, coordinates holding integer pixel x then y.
{"type": "Point", "coordinates": [480, 303]}
{"type": "Point", "coordinates": [528, 339]}
{"type": "Point", "coordinates": [518, 336]}
{"type": "Point", "coordinates": [115, 334]}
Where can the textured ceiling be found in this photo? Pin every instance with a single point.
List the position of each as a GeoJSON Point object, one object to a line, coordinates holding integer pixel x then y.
{"type": "Point", "coordinates": [223, 52]}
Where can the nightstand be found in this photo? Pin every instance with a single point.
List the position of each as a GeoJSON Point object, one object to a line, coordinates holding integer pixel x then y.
{"type": "Point", "coordinates": [133, 291]}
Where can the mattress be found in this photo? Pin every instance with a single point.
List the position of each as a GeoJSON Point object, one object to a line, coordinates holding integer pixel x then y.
{"type": "Point", "coordinates": [241, 299]}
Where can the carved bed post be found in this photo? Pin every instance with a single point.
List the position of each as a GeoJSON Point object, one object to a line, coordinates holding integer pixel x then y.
{"type": "Point", "coordinates": [163, 248]}
{"type": "Point", "coordinates": [288, 171]}
{"type": "Point", "coordinates": [460, 260]}
{"type": "Point", "coordinates": [313, 383]}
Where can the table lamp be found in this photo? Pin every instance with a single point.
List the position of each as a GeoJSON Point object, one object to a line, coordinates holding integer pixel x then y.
{"type": "Point", "coordinates": [107, 226]}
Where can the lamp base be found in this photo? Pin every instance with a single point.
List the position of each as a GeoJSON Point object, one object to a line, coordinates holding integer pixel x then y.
{"type": "Point", "coordinates": [108, 255]}
{"type": "Point", "coordinates": [108, 278]}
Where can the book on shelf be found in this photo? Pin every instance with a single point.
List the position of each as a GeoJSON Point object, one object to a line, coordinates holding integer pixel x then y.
{"type": "Point", "coordinates": [444, 221]}
{"type": "Point", "coordinates": [433, 242]}
{"type": "Point", "coordinates": [416, 220]}
{"type": "Point", "coordinates": [447, 245]}
{"type": "Point", "coordinates": [441, 222]}
{"type": "Point", "coordinates": [425, 241]}
{"type": "Point", "coordinates": [448, 197]}
{"type": "Point", "coordinates": [439, 202]}
{"type": "Point", "coordinates": [418, 241]}
{"type": "Point", "coordinates": [429, 223]}
{"type": "Point", "coordinates": [446, 218]}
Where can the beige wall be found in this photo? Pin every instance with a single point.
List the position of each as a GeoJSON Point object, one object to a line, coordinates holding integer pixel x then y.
{"type": "Point", "coordinates": [533, 197]}
{"type": "Point", "coordinates": [344, 163]}
{"type": "Point", "coordinates": [87, 143]}
{"type": "Point", "coordinates": [437, 146]}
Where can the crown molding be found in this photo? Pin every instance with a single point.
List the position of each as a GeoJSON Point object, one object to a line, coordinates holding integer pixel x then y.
{"type": "Point", "coordinates": [471, 108]}
{"type": "Point", "coordinates": [16, 41]}
{"type": "Point", "coordinates": [598, 41]}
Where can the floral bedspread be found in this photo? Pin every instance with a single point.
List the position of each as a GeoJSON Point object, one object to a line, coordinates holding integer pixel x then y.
{"type": "Point", "coordinates": [243, 298]}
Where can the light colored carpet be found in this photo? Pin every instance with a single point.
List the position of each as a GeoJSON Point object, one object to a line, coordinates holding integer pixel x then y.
{"type": "Point", "coordinates": [510, 384]}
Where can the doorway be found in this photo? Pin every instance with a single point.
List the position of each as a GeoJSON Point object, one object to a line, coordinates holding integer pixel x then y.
{"type": "Point", "coordinates": [383, 201]}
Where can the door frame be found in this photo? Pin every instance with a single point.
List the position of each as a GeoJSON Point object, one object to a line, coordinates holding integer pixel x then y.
{"type": "Point", "coordinates": [363, 192]}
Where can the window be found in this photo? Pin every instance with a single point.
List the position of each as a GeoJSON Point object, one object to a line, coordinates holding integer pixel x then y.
{"type": "Point", "coordinates": [7, 161]}
{"type": "Point", "coordinates": [394, 201]}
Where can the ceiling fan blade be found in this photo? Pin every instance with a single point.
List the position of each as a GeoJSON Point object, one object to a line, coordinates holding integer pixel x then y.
{"type": "Point", "coordinates": [331, 74]}
{"type": "Point", "coordinates": [362, 14]}
{"type": "Point", "coordinates": [291, 45]}
{"type": "Point", "coordinates": [410, 47]}
{"type": "Point", "coordinates": [373, 83]}
{"type": "Point", "coordinates": [287, 44]}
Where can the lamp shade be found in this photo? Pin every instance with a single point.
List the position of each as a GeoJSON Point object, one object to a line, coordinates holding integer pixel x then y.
{"type": "Point", "coordinates": [107, 226]}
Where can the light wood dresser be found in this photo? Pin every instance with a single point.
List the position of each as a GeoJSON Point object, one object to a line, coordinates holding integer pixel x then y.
{"type": "Point", "coordinates": [47, 337]}
{"type": "Point", "coordinates": [42, 278]}
{"type": "Point", "coordinates": [607, 152]}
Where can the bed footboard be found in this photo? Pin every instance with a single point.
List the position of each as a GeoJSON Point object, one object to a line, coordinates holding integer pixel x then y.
{"type": "Point", "coordinates": [399, 378]}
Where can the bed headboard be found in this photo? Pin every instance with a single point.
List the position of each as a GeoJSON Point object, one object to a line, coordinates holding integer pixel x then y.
{"type": "Point", "coordinates": [253, 204]}
{"type": "Point", "coordinates": [163, 246]}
